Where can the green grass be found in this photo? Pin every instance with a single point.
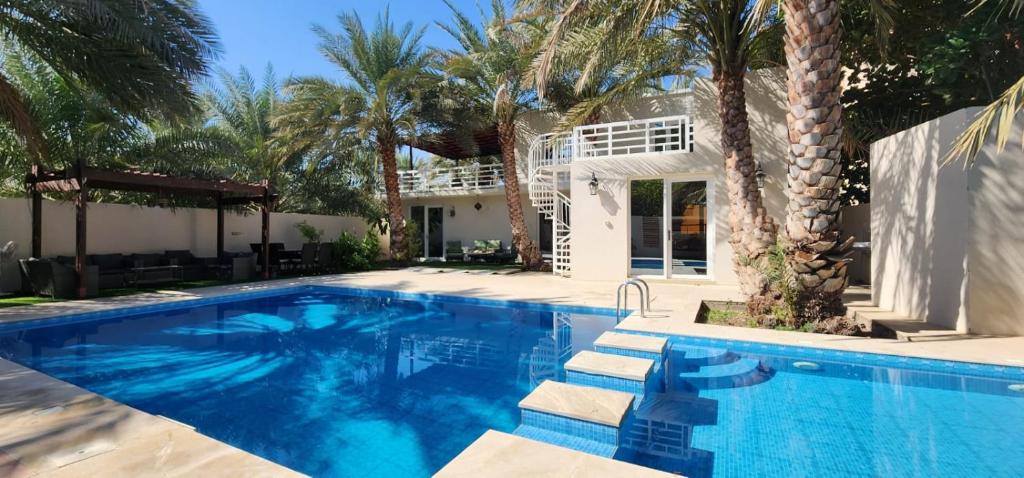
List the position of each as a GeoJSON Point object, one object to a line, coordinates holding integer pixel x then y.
{"type": "Point", "coordinates": [119, 292]}
{"type": "Point", "coordinates": [723, 316]}
{"type": "Point", "coordinates": [24, 300]}
{"type": "Point", "coordinates": [468, 266]}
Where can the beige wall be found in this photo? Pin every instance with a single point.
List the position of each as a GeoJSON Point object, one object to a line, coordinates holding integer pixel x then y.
{"type": "Point", "coordinates": [948, 242]}
{"type": "Point", "coordinates": [123, 228]}
{"type": "Point", "coordinates": [995, 265]}
{"type": "Point", "coordinates": [468, 225]}
{"type": "Point", "coordinates": [601, 223]}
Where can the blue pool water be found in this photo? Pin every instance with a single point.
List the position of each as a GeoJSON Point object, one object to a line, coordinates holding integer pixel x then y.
{"type": "Point", "coordinates": [323, 382]}
{"type": "Point", "coordinates": [361, 383]}
{"type": "Point", "coordinates": [647, 263]}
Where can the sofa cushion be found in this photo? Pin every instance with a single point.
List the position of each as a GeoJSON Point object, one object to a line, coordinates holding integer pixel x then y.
{"type": "Point", "coordinates": [107, 262]}
{"type": "Point", "coordinates": [147, 260]}
{"type": "Point", "coordinates": [183, 258]}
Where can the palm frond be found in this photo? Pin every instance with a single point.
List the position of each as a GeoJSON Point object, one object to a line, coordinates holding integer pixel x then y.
{"type": "Point", "coordinates": [997, 117]}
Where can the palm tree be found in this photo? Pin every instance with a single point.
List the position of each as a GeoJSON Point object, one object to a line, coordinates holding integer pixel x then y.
{"type": "Point", "coordinates": [732, 37]}
{"type": "Point", "coordinates": [241, 111]}
{"type": "Point", "coordinates": [140, 56]}
{"type": "Point", "coordinates": [491, 69]}
{"type": "Point", "coordinates": [815, 120]}
{"type": "Point", "coordinates": [387, 69]}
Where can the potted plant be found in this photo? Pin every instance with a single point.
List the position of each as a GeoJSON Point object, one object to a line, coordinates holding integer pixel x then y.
{"type": "Point", "coordinates": [310, 233]}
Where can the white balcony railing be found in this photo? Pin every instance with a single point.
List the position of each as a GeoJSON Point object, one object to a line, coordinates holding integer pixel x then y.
{"type": "Point", "coordinates": [657, 135]}
{"type": "Point", "coordinates": [462, 178]}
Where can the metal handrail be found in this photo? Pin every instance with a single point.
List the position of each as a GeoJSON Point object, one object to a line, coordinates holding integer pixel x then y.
{"type": "Point", "coordinates": [622, 298]}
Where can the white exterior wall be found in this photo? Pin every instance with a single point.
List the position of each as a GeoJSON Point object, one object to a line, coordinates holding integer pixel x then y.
{"type": "Point", "coordinates": [120, 228]}
{"type": "Point", "coordinates": [468, 225]}
{"type": "Point", "coordinates": [601, 224]}
{"type": "Point", "coordinates": [948, 242]}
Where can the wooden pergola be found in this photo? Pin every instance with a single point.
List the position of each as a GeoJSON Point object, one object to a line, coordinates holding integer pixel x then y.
{"type": "Point", "coordinates": [80, 179]}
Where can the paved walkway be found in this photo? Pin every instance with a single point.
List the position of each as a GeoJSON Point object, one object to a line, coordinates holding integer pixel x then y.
{"type": "Point", "coordinates": [51, 428]}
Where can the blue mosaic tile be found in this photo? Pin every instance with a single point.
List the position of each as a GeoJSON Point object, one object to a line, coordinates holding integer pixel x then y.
{"type": "Point", "coordinates": [571, 426]}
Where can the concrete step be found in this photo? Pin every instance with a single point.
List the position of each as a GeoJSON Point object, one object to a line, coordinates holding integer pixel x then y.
{"type": "Point", "coordinates": [611, 372]}
{"type": "Point", "coordinates": [586, 404]}
{"type": "Point", "coordinates": [697, 356]}
{"type": "Point", "coordinates": [909, 330]}
{"type": "Point", "coordinates": [501, 455]}
{"type": "Point", "coordinates": [584, 418]}
{"type": "Point", "coordinates": [633, 345]}
{"type": "Point", "coordinates": [741, 373]}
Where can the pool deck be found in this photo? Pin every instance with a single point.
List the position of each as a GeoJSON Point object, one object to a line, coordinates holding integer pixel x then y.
{"type": "Point", "coordinates": [51, 428]}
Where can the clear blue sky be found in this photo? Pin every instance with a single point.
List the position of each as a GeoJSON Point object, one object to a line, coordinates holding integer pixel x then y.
{"type": "Point", "coordinates": [255, 32]}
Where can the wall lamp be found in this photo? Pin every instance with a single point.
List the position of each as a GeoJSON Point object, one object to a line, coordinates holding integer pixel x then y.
{"type": "Point", "coordinates": [593, 184]}
{"type": "Point", "coordinates": [759, 175]}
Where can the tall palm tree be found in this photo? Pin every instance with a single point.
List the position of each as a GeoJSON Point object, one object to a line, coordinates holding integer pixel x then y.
{"type": "Point", "coordinates": [490, 68]}
{"type": "Point", "coordinates": [242, 112]}
{"type": "Point", "coordinates": [387, 69]}
{"type": "Point", "coordinates": [815, 120]}
{"type": "Point", "coordinates": [732, 37]}
{"type": "Point", "coordinates": [140, 56]}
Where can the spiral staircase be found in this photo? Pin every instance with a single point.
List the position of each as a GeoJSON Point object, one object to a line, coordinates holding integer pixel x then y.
{"type": "Point", "coordinates": [551, 155]}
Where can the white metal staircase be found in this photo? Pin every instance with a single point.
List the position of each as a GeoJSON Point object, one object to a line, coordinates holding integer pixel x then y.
{"type": "Point", "coordinates": [552, 153]}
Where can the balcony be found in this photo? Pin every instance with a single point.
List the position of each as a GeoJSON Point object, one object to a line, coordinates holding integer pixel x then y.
{"type": "Point", "coordinates": [458, 180]}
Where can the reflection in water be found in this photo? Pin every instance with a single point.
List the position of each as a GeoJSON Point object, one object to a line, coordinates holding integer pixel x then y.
{"type": "Point", "coordinates": [329, 385]}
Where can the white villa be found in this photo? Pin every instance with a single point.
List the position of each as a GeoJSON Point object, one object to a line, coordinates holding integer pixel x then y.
{"type": "Point", "coordinates": [642, 193]}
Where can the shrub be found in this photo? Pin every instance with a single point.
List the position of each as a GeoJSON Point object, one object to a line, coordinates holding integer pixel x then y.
{"type": "Point", "coordinates": [352, 254]}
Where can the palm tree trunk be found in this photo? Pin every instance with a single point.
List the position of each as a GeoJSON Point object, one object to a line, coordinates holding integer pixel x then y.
{"type": "Point", "coordinates": [752, 230]}
{"type": "Point", "coordinates": [396, 222]}
{"type": "Point", "coordinates": [527, 248]}
{"type": "Point", "coordinates": [15, 111]}
{"type": "Point", "coordinates": [815, 122]}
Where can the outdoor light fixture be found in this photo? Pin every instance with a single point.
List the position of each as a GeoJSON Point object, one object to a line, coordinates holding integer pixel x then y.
{"type": "Point", "coordinates": [451, 211]}
{"type": "Point", "coordinates": [593, 184]}
{"type": "Point", "coordinates": [759, 175]}
{"type": "Point", "coordinates": [478, 206]}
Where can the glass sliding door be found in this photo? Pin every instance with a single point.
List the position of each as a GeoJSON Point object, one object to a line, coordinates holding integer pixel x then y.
{"type": "Point", "coordinates": [429, 224]}
{"type": "Point", "coordinates": [689, 251]}
{"type": "Point", "coordinates": [647, 226]}
{"type": "Point", "coordinates": [669, 228]}
{"type": "Point", "coordinates": [434, 238]}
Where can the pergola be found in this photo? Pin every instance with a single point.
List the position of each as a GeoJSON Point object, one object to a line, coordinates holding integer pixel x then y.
{"type": "Point", "coordinates": [80, 179]}
{"type": "Point", "coordinates": [459, 145]}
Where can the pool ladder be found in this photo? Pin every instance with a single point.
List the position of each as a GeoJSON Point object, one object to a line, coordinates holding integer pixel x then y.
{"type": "Point", "coordinates": [622, 297]}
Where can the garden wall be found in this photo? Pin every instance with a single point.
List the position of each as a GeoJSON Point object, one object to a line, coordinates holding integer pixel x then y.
{"type": "Point", "coordinates": [114, 228]}
{"type": "Point", "coordinates": [948, 241]}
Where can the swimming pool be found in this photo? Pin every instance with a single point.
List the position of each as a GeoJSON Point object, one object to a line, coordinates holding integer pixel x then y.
{"type": "Point", "coordinates": [348, 382]}
{"type": "Point", "coordinates": [329, 382]}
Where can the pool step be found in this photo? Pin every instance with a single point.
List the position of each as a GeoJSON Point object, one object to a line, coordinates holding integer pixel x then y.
{"type": "Point", "coordinates": [501, 455]}
{"type": "Point", "coordinates": [633, 345]}
{"type": "Point", "coordinates": [743, 372]}
{"type": "Point", "coordinates": [697, 356]}
{"type": "Point", "coordinates": [584, 418]}
{"type": "Point", "coordinates": [611, 372]}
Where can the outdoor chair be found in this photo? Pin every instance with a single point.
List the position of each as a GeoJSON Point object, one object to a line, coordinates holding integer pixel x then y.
{"type": "Point", "coordinates": [325, 259]}
{"type": "Point", "coordinates": [113, 268]}
{"type": "Point", "coordinates": [506, 256]}
{"type": "Point", "coordinates": [453, 252]}
{"type": "Point", "coordinates": [308, 260]}
{"type": "Point", "coordinates": [59, 281]}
